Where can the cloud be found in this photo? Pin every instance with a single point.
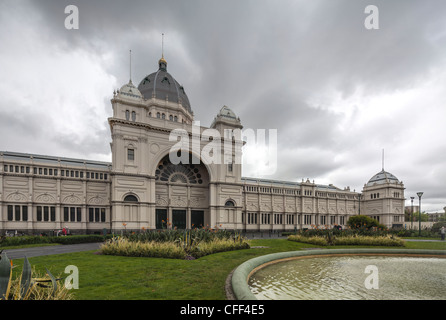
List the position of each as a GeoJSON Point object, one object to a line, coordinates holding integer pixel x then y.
{"type": "Point", "coordinates": [336, 92]}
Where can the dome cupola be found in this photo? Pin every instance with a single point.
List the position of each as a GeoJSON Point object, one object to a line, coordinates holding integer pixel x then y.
{"type": "Point", "coordinates": [161, 85]}
{"type": "Point", "coordinates": [129, 91]}
{"type": "Point", "coordinates": [382, 177]}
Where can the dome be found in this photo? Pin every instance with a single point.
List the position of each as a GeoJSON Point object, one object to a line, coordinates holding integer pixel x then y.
{"type": "Point", "coordinates": [130, 91]}
{"type": "Point", "coordinates": [162, 85]}
{"type": "Point", "coordinates": [228, 113]}
{"type": "Point", "coordinates": [382, 177]}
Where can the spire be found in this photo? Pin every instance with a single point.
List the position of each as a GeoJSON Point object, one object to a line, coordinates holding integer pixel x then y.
{"type": "Point", "coordinates": [162, 62]}
{"type": "Point", "coordinates": [130, 68]}
{"type": "Point", "coordinates": [383, 160]}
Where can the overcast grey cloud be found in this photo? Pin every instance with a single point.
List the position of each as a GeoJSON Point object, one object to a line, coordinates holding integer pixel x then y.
{"type": "Point", "coordinates": [337, 92]}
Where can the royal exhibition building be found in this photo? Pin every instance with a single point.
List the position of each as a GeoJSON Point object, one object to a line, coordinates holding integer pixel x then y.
{"type": "Point", "coordinates": [143, 188]}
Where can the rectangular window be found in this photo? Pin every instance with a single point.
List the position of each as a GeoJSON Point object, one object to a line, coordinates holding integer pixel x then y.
{"type": "Point", "coordinates": [65, 214]}
{"type": "Point", "coordinates": [102, 214]}
{"type": "Point", "coordinates": [91, 214]}
{"type": "Point", "coordinates": [10, 213]}
{"type": "Point", "coordinates": [53, 213]}
{"type": "Point", "coordinates": [55, 172]}
{"type": "Point", "coordinates": [79, 214]}
{"type": "Point", "coordinates": [46, 213]}
{"type": "Point", "coordinates": [96, 214]}
{"type": "Point", "coordinates": [72, 214]}
{"type": "Point", "coordinates": [39, 213]}
{"type": "Point", "coordinates": [24, 213]}
{"type": "Point", "coordinates": [17, 213]}
{"type": "Point", "coordinates": [131, 154]}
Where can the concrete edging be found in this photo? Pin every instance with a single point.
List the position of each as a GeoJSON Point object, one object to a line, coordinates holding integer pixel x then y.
{"type": "Point", "coordinates": [240, 276]}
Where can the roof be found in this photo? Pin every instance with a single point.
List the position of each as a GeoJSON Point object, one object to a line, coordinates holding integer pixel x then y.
{"type": "Point", "coordinates": [162, 85]}
{"type": "Point", "coordinates": [50, 160]}
{"type": "Point", "coordinates": [130, 91]}
{"type": "Point", "coordinates": [382, 177]}
{"type": "Point", "coordinates": [289, 184]}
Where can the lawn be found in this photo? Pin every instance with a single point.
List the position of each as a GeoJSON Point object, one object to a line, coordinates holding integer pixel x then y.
{"type": "Point", "coordinates": [104, 277]}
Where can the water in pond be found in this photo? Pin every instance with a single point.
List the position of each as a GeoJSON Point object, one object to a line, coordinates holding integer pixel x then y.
{"type": "Point", "coordinates": [345, 278]}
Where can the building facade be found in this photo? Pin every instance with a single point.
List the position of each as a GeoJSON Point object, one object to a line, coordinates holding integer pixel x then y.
{"type": "Point", "coordinates": [143, 188]}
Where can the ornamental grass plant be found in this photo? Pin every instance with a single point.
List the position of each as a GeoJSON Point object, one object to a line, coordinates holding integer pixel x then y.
{"type": "Point", "coordinates": [347, 240]}
{"type": "Point", "coordinates": [175, 244]}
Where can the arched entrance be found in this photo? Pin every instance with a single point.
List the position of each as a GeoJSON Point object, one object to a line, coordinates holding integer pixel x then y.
{"type": "Point", "coordinates": [182, 194]}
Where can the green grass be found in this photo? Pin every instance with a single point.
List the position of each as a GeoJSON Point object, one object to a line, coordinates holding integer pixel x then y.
{"type": "Point", "coordinates": [103, 277]}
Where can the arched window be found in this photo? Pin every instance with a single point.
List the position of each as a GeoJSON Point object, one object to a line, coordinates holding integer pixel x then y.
{"type": "Point", "coordinates": [163, 116]}
{"type": "Point", "coordinates": [175, 118]}
{"type": "Point", "coordinates": [130, 198]}
{"type": "Point", "coordinates": [127, 115]}
{"type": "Point", "coordinates": [229, 203]}
{"type": "Point", "coordinates": [171, 117]}
{"type": "Point", "coordinates": [133, 116]}
{"type": "Point", "coordinates": [158, 115]}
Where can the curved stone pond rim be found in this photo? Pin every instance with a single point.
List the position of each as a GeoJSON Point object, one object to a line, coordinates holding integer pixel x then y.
{"type": "Point", "coordinates": [243, 272]}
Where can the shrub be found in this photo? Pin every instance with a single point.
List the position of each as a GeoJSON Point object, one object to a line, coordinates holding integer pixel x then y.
{"type": "Point", "coordinates": [75, 239]}
{"type": "Point", "coordinates": [218, 245]}
{"type": "Point", "coordinates": [363, 222]}
{"type": "Point", "coordinates": [317, 240]}
{"type": "Point", "coordinates": [388, 240]}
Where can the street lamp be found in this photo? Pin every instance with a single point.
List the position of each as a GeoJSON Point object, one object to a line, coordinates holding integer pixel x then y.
{"type": "Point", "coordinates": [419, 194]}
{"type": "Point", "coordinates": [411, 215]}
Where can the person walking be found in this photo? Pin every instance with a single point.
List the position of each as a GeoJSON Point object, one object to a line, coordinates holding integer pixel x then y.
{"type": "Point", "coordinates": [442, 232]}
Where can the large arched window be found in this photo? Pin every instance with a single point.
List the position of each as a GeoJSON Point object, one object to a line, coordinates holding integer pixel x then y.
{"type": "Point", "coordinates": [130, 198]}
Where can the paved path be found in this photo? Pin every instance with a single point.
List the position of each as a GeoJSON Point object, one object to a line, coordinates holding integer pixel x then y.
{"type": "Point", "coordinates": [48, 250]}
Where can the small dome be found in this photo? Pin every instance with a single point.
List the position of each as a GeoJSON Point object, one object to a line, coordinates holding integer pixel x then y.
{"type": "Point", "coordinates": [228, 113]}
{"type": "Point", "coordinates": [382, 177]}
{"type": "Point", "coordinates": [130, 91]}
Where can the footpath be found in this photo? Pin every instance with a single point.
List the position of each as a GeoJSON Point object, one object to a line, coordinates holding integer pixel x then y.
{"type": "Point", "coordinates": [48, 250]}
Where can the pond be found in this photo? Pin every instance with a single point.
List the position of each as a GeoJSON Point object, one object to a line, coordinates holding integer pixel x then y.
{"type": "Point", "coordinates": [352, 278]}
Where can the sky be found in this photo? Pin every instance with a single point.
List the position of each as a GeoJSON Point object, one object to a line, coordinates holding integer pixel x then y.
{"type": "Point", "coordinates": [337, 92]}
